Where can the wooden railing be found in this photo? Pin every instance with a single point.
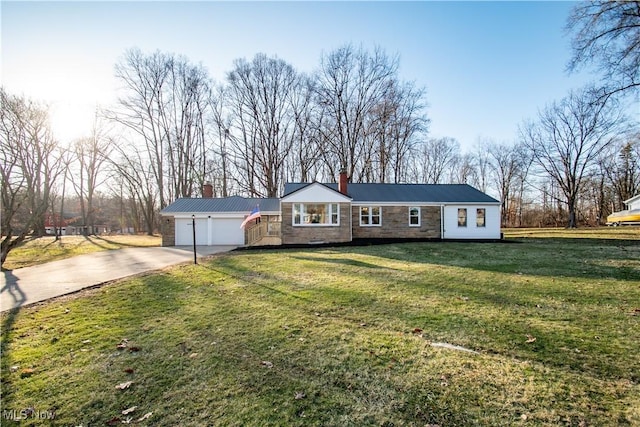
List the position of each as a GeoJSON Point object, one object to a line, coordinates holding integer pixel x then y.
{"type": "Point", "coordinates": [262, 229]}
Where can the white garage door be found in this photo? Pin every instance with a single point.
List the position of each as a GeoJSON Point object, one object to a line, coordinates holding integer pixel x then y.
{"type": "Point", "coordinates": [217, 231]}
{"type": "Point", "coordinates": [184, 231]}
{"type": "Point", "coordinates": [227, 231]}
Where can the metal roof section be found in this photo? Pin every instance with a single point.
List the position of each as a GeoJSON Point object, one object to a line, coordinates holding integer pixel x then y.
{"type": "Point", "coordinates": [227, 204]}
{"type": "Point", "coordinates": [408, 193]}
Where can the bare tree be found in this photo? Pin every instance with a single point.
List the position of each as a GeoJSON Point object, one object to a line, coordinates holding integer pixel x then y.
{"type": "Point", "coordinates": [567, 139]}
{"type": "Point", "coordinates": [435, 158]}
{"type": "Point", "coordinates": [135, 175]}
{"type": "Point", "coordinates": [351, 83]}
{"type": "Point", "coordinates": [304, 164]}
{"type": "Point", "coordinates": [464, 170]}
{"type": "Point", "coordinates": [263, 126]}
{"type": "Point", "coordinates": [165, 102]}
{"type": "Point", "coordinates": [58, 194]}
{"type": "Point", "coordinates": [221, 123]}
{"type": "Point", "coordinates": [606, 33]}
{"type": "Point", "coordinates": [621, 167]}
{"type": "Point", "coordinates": [28, 168]}
{"type": "Point", "coordinates": [482, 162]}
{"type": "Point", "coordinates": [509, 163]}
{"type": "Point", "coordinates": [398, 125]}
{"type": "Point", "coordinates": [90, 154]}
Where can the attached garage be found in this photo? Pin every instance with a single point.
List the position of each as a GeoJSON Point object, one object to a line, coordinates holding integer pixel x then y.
{"type": "Point", "coordinates": [217, 220]}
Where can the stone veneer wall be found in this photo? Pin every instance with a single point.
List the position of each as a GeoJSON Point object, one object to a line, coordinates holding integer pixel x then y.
{"type": "Point", "coordinates": [168, 230]}
{"type": "Point", "coordinates": [395, 224]}
{"type": "Point", "coordinates": [319, 234]}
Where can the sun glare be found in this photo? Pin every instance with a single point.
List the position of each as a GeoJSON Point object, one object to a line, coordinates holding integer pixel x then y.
{"type": "Point", "coordinates": [70, 121]}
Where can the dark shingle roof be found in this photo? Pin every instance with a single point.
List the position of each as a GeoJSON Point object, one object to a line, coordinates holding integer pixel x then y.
{"type": "Point", "coordinates": [227, 204]}
{"type": "Point", "coordinates": [429, 193]}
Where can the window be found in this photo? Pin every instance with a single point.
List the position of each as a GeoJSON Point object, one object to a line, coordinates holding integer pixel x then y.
{"type": "Point", "coordinates": [414, 216]}
{"type": "Point", "coordinates": [480, 215]}
{"type": "Point", "coordinates": [462, 217]}
{"type": "Point", "coordinates": [316, 214]}
{"type": "Point", "coordinates": [370, 216]}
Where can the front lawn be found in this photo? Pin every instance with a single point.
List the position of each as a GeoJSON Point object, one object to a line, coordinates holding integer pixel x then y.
{"type": "Point", "coordinates": [346, 336]}
{"type": "Point", "coordinates": [45, 249]}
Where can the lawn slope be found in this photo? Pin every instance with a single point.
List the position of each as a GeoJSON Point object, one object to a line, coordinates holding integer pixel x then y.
{"type": "Point", "coordinates": [339, 337]}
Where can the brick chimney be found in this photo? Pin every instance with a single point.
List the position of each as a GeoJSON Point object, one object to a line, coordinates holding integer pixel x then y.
{"type": "Point", "coordinates": [207, 190]}
{"type": "Point", "coordinates": [342, 183]}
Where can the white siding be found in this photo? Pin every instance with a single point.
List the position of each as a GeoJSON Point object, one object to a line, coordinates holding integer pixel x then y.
{"type": "Point", "coordinates": [491, 230]}
{"type": "Point", "coordinates": [315, 193]}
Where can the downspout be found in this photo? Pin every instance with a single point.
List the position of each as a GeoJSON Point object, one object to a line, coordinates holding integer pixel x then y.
{"type": "Point", "coordinates": [442, 222]}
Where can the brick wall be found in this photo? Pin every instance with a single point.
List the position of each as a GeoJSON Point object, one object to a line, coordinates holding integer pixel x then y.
{"type": "Point", "coordinates": [318, 234]}
{"type": "Point", "coordinates": [395, 224]}
{"type": "Point", "coordinates": [168, 230]}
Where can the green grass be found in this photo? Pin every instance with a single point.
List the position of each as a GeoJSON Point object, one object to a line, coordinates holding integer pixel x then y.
{"type": "Point", "coordinates": [348, 331]}
{"type": "Point", "coordinates": [46, 249]}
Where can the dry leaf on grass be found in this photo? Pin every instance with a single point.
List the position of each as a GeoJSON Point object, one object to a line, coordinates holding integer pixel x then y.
{"type": "Point", "coordinates": [124, 385]}
{"type": "Point", "coordinates": [129, 410]}
{"type": "Point", "coordinates": [530, 339]}
{"type": "Point", "coordinates": [145, 416]}
{"type": "Point", "coordinates": [26, 373]}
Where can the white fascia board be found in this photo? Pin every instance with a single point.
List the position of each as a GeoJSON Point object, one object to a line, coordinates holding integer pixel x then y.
{"type": "Point", "coordinates": [373, 203]}
{"type": "Point", "coordinates": [315, 193]}
{"type": "Point", "coordinates": [182, 215]}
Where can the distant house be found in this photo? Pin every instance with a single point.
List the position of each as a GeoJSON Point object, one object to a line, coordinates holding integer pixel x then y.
{"type": "Point", "coordinates": [629, 216]}
{"type": "Point", "coordinates": [633, 203]}
{"type": "Point", "coordinates": [312, 213]}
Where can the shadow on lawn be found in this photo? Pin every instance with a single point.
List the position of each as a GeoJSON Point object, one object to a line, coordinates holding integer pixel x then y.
{"type": "Point", "coordinates": [8, 320]}
{"type": "Point", "coordinates": [344, 261]}
{"type": "Point", "coordinates": [558, 257]}
{"type": "Point", "coordinates": [249, 276]}
{"type": "Point", "coordinates": [114, 242]}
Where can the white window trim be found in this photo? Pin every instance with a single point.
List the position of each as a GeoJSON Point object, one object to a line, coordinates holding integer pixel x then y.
{"type": "Point", "coordinates": [379, 224]}
{"type": "Point", "coordinates": [419, 224]}
{"type": "Point", "coordinates": [301, 204]}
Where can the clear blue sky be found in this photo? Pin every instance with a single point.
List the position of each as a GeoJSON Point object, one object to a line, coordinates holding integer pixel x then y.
{"type": "Point", "coordinates": [486, 65]}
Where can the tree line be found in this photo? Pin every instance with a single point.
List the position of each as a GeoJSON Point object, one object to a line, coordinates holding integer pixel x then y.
{"type": "Point", "coordinates": [174, 128]}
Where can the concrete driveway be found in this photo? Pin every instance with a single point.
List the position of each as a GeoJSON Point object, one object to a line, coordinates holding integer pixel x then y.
{"type": "Point", "coordinates": [24, 286]}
